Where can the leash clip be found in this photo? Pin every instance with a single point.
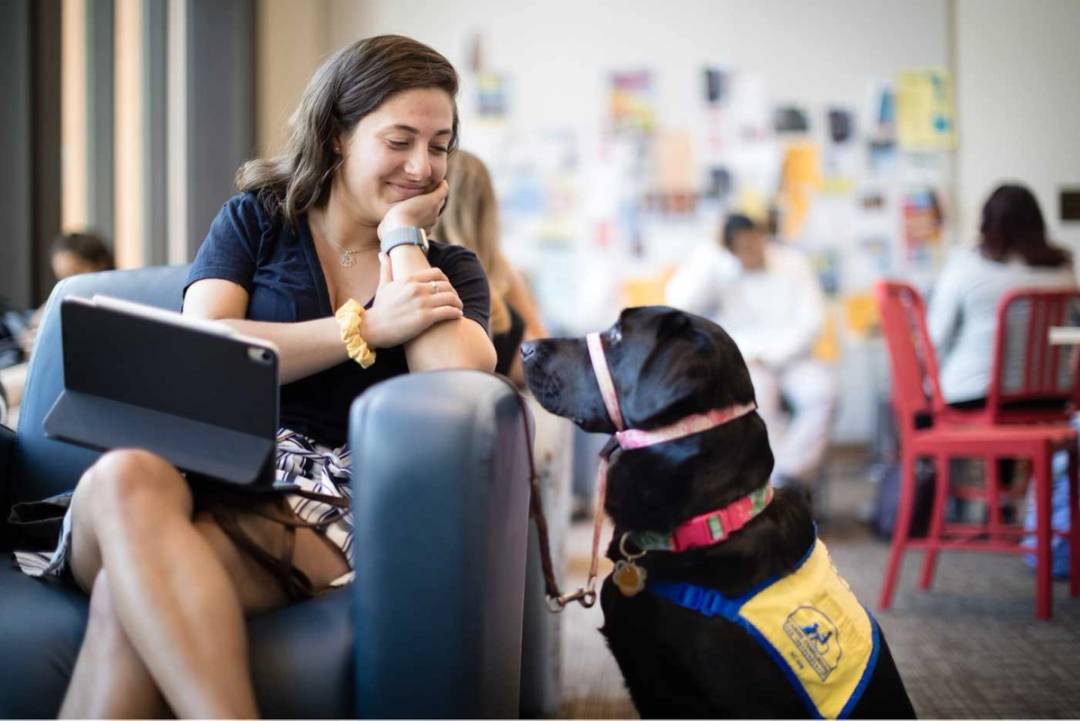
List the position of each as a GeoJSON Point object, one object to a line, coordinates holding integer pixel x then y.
{"type": "Point", "coordinates": [585, 596]}
{"type": "Point", "coordinates": [610, 447]}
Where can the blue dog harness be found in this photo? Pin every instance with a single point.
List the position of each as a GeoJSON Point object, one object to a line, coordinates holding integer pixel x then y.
{"type": "Point", "coordinates": [808, 621]}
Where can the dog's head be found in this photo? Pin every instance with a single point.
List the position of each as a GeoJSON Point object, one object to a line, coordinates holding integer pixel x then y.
{"type": "Point", "coordinates": [665, 364]}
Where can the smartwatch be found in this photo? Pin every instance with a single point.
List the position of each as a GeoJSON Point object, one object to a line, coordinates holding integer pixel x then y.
{"type": "Point", "coordinates": [405, 235]}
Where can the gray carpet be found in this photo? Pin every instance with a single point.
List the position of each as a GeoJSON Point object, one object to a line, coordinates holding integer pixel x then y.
{"type": "Point", "coordinates": [968, 648]}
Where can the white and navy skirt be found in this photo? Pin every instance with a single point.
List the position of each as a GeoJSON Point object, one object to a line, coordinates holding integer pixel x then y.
{"type": "Point", "coordinates": [313, 483]}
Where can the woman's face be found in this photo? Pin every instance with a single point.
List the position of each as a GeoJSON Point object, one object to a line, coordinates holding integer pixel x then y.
{"type": "Point", "coordinates": [66, 264]}
{"type": "Point", "coordinates": [396, 152]}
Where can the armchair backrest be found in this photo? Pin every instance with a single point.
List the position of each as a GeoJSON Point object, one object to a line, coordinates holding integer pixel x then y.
{"type": "Point", "coordinates": [43, 466]}
{"type": "Point", "coordinates": [1032, 380]}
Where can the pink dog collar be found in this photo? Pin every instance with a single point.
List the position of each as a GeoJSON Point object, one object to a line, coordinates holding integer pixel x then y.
{"type": "Point", "coordinates": [631, 438]}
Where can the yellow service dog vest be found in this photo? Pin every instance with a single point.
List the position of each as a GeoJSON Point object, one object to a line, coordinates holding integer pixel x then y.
{"type": "Point", "coordinates": [810, 623]}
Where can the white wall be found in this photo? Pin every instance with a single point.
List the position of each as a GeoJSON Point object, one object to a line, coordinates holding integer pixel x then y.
{"type": "Point", "coordinates": [291, 40]}
{"type": "Point", "coordinates": [1018, 103]}
{"type": "Point", "coordinates": [559, 52]}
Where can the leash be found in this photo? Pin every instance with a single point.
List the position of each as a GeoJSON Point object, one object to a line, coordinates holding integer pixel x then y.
{"type": "Point", "coordinates": [556, 599]}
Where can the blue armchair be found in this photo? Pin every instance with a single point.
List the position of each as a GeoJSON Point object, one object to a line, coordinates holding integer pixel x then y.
{"type": "Point", "coordinates": [433, 624]}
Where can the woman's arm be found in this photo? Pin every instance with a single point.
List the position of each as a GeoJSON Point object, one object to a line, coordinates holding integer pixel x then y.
{"type": "Point", "coordinates": [454, 343]}
{"type": "Point", "coordinates": [303, 348]}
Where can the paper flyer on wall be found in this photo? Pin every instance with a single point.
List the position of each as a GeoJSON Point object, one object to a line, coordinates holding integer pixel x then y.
{"type": "Point", "coordinates": [926, 115]}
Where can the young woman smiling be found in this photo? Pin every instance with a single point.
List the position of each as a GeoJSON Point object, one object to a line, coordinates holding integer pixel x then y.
{"type": "Point", "coordinates": [324, 253]}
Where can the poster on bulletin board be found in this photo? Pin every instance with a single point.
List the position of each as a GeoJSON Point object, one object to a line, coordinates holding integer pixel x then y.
{"type": "Point", "coordinates": [631, 102]}
{"type": "Point", "coordinates": [926, 118]}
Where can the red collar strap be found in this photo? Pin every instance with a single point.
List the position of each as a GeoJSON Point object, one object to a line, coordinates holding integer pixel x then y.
{"type": "Point", "coordinates": [708, 529]}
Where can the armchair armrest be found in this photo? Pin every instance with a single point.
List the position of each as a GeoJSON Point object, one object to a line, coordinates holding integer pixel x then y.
{"type": "Point", "coordinates": [440, 499]}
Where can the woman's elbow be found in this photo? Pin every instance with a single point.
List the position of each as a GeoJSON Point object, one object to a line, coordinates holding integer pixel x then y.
{"type": "Point", "coordinates": [480, 358]}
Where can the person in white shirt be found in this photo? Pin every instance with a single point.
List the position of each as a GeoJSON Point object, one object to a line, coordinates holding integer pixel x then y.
{"type": "Point", "coordinates": [1013, 252]}
{"type": "Point", "coordinates": [768, 299]}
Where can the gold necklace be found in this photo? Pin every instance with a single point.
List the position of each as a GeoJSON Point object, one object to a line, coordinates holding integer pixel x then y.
{"type": "Point", "coordinates": [346, 259]}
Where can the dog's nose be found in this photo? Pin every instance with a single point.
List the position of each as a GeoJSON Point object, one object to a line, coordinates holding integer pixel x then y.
{"type": "Point", "coordinates": [528, 349]}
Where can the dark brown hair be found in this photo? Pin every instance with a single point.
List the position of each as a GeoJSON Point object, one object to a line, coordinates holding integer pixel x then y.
{"type": "Point", "coordinates": [1012, 223]}
{"type": "Point", "coordinates": [353, 83]}
{"type": "Point", "coordinates": [88, 246]}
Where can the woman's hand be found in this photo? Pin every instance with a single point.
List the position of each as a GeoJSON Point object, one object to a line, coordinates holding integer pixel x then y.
{"type": "Point", "coordinates": [403, 309]}
{"type": "Point", "coordinates": [420, 211]}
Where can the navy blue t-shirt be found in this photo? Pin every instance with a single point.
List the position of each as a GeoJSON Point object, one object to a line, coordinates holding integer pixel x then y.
{"type": "Point", "coordinates": [280, 270]}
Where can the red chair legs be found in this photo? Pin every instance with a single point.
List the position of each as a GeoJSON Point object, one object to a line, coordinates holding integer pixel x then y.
{"type": "Point", "coordinates": [938, 533]}
{"type": "Point", "coordinates": [901, 529]}
{"type": "Point", "coordinates": [1043, 535]}
{"type": "Point", "coordinates": [937, 519]}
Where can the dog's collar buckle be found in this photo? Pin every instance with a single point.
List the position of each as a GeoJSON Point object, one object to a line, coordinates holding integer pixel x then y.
{"type": "Point", "coordinates": [707, 529]}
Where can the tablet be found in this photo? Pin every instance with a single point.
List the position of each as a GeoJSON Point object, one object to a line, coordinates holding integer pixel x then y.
{"type": "Point", "coordinates": [192, 391]}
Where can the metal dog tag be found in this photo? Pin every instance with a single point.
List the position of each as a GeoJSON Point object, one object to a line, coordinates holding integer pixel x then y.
{"type": "Point", "coordinates": [629, 577]}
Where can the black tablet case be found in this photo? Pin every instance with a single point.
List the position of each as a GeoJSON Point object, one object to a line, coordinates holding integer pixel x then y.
{"type": "Point", "coordinates": [206, 402]}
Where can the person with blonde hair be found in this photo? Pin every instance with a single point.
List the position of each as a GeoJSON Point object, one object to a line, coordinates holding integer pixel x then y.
{"type": "Point", "coordinates": [471, 219]}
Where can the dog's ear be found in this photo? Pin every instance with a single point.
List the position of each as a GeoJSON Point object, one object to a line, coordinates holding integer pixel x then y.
{"type": "Point", "coordinates": [693, 366]}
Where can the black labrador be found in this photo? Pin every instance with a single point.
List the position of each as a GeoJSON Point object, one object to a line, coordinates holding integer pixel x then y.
{"type": "Point", "coordinates": [667, 364]}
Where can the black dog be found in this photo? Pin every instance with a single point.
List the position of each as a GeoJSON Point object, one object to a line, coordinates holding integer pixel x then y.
{"type": "Point", "coordinates": [677, 662]}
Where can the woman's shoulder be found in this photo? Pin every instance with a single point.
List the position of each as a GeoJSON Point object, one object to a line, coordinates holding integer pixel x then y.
{"type": "Point", "coordinates": [252, 213]}
{"type": "Point", "coordinates": [965, 260]}
{"type": "Point", "coordinates": [249, 207]}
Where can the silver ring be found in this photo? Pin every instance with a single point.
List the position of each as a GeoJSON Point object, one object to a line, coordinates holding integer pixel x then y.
{"type": "Point", "coordinates": [434, 287]}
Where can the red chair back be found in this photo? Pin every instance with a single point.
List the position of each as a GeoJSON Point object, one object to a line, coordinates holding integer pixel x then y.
{"type": "Point", "coordinates": [915, 389]}
{"type": "Point", "coordinates": [1031, 380]}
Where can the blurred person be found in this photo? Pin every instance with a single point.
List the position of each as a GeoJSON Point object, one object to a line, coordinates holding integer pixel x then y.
{"type": "Point", "coordinates": [768, 299]}
{"type": "Point", "coordinates": [1013, 252]}
{"type": "Point", "coordinates": [323, 252]}
{"type": "Point", "coordinates": [471, 220]}
{"type": "Point", "coordinates": [75, 253]}
{"type": "Point", "coordinates": [71, 254]}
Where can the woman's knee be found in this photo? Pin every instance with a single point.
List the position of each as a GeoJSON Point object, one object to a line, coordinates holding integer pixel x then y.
{"type": "Point", "coordinates": [131, 484]}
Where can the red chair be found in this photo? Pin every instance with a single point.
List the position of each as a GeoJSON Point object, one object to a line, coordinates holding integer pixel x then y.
{"type": "Point", "coordinates": [928, 428]}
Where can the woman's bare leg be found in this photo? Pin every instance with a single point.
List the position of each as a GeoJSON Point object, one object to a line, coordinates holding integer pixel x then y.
{"type": "Point", "coordinates": [247, 584]}
{"type": "Point", "coordinates": [168, 589]}
{"type": "Point", "coordinates": [110, 680]}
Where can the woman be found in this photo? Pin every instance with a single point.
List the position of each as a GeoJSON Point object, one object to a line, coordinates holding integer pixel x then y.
{"type": "Point", "coordinates": [1013, 252]}
{"type": "Point", "coordinates": [471, 220]}
{"type": "Point", "coordinates": [321, 253]}
{"type": "Point", "coordinates": [71, 254]}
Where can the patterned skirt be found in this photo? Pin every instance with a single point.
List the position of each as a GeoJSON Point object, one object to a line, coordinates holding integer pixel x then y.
{"type": "Point", "coordinates": [313, 481]}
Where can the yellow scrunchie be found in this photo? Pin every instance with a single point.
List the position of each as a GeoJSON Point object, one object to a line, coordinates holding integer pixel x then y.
{"type": "Point", "coordinates": [349, 316]}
